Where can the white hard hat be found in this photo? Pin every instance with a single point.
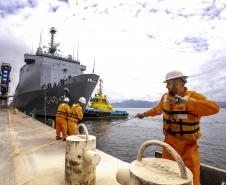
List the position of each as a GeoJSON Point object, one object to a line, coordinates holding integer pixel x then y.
{"type": "Point", "coordinates": [82, 100]}
{"type": "Point", "coordinates": [174, 74]}
{"type": "Point", "coordinates": [66, 100]}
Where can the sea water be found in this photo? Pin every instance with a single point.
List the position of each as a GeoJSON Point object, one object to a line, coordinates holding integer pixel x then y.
{"type": "Point", "coordinates": [122, 138]}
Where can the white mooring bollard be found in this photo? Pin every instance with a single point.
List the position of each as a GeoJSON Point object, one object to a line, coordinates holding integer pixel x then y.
{"type": "Point", "coordinates": [81, 159]}
{"type": "Point", "coordinates": [155, 171]}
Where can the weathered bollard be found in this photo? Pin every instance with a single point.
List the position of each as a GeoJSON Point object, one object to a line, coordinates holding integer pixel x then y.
{"type": "Point", "coordinates": [155, 171]}
{"type": "Point", "coordinates": [15, 110]}
{"type": "Point", "coordinates": [51, 123]}
{"type": "Point", "coordinates": [33, 115]}
{"type": "Point", "coordinates": [81, 159]}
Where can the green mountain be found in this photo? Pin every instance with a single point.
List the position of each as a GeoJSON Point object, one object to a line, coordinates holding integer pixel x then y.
{"type": "Point", "coordinates": [145, 104]}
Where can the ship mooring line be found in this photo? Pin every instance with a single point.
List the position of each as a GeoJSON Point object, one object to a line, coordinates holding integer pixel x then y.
{"type": "Point", "coordinates": [123, 121]}
{"type": "Point", "coordinates": [117, 124]}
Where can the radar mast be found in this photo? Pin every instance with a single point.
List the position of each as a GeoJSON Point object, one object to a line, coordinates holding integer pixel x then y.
{"type": "Point", "coordinates": [53, 46]}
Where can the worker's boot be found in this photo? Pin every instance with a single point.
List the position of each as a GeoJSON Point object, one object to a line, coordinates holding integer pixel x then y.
{"type": "Point", "coordinates": [58, 137]}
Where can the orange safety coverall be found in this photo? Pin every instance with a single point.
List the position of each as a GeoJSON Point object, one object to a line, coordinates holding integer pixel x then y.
{"type": "Point", "coordinates": [61, 119]}
{"type": "Point", "coordinates": [74, 118]}
{"type": "Point", "coordinates": [197, 106]}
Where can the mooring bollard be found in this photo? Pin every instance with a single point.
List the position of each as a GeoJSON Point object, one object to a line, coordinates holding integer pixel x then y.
{"type": "Point", "coordinates": [53, 123]}
{"type": "Point", "coordinates": [155, 171]}
{"type": "Point", "coordinates": [33, 115]}
{"type": "Point", "coordinates": [15, 110]}
{"type": "Point", "coordinates": [81, 159]}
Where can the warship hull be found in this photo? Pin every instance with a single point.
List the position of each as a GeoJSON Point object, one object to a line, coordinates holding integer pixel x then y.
{"type": "Point", "coordinates": [44, 102]}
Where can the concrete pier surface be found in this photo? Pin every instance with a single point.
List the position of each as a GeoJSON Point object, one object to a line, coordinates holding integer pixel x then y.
{"type": "Point", "coordinates": [30, 155]}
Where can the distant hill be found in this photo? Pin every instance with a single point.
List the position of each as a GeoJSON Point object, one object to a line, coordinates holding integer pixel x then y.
{"type": "Point", "coordinates": [134, 104]}
{"type": "Point", "coordinates": [145, 104]}
{"type": "Point", "coordinates": [222, 104]}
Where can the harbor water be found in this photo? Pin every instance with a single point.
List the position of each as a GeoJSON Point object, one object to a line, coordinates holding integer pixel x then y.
{"type": "Point", "coordinates": [124, 139]}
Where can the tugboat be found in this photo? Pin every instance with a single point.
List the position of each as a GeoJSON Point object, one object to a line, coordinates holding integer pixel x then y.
{"type": "Point", "coordinates": [100, 108]}
{"type": "Point", "coordinates": [47, 77]}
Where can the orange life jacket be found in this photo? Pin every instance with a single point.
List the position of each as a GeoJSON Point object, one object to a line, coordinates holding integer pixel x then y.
{"type": "Point", "coordinates": [63, 110]}
{"type": "Point", "coordinates": [177, 121]}
{"type": "Point", "coordinates": [76, 114]}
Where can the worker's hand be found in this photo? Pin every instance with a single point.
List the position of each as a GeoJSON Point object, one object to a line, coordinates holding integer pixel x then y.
{"type": "Point", "coordinates": [178, 99]}
{"type": "Point", "coordinates": [140, 115]}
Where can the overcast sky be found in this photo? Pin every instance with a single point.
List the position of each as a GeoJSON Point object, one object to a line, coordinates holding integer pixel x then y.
{"type": "Point", "coordinates": [135, 43]}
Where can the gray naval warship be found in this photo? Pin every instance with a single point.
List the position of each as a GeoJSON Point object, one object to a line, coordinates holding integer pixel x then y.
{"type": "Point", "coordinates": [47, 78]}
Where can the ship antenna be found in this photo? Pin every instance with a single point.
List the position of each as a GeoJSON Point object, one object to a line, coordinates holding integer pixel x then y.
{"type": "Point", "coordinates": [39, 49]}
{"type": "Point", "coordinates": [93, 65]}
{"type": "Point", "coordinates": [77, 51]}
{"type": "Point", "coordinates": [73, 51]}
{"type": "Point", "coordinates": [100, 89]}
{"type": "Point", "coordinates": [40, 40]}
{"type": "Point", "coordinates": [53, 46]}
{"type": "Point", "coordinates": [32, 47]}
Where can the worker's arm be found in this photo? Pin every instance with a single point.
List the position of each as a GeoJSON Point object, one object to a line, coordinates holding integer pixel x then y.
{"type": "Point", "coordinates": [79, 113]}
{"type": "Point", "coordinates": [156, 110]}
{"type": "Point", "coordinates": [199, 105]}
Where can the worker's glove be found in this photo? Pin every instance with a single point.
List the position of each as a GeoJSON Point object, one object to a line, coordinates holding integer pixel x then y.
{"type": "Point", "coordinates": [140, 116]}
{"type": "Point", "coordinates": [178, 99]}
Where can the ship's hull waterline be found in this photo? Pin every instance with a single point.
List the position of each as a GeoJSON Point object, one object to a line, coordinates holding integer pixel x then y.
{"type": "Point", "coordinates": [45, 101]}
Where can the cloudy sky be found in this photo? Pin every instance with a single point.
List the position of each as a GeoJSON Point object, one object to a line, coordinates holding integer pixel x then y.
{"type": "Point", "coordinates": [134, 42]}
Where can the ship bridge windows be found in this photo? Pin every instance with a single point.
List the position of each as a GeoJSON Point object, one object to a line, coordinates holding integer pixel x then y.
{"type": "Point", "coordinates": [29, 61]}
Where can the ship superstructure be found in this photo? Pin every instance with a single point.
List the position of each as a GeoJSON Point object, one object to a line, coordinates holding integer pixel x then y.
{"type": "Point", "coordinates": [47, 77]}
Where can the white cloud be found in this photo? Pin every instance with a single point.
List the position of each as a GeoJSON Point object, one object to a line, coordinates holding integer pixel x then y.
{"type": "Point", "coordinates": [212, 75]}
{"type": "Point", "coordinates": [134, 42]}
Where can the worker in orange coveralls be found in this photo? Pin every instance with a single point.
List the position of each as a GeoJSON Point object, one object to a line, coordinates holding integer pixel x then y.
{"type": "Point", "coordinates": [182, 110]}
{"type": "Point", "coordinates": [75, 116]}
{"type": "Point", "coordinates": [61, 119]}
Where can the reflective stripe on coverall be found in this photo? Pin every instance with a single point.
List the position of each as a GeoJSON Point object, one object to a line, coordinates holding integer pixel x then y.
{"type": "Point", "coordinates": [197, 105]}
{"type": "Point", "coordinates": [61, 119]}
{"type": "Point", "coordinates": [74, 118]}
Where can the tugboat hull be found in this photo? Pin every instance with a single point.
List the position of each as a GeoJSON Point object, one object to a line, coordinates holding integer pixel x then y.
{"type": "Point", "coordinates": [95, 113]}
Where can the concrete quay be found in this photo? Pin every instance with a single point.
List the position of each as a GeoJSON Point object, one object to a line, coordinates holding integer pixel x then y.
{"type": "Point", "coordinates": [30, 155]}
